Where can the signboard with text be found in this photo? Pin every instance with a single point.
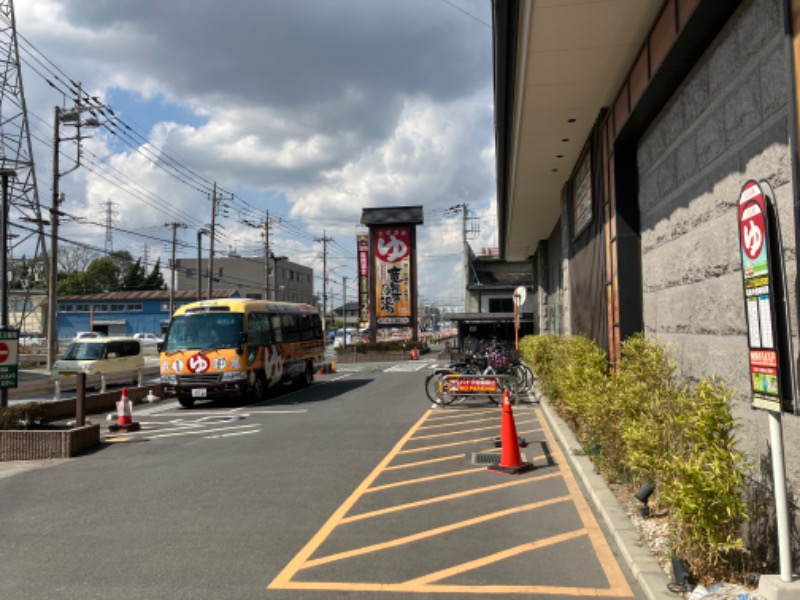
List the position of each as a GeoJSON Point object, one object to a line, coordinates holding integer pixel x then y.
{"type": "Point", "coordinates": [362, 248]}
{"type": "Point", "coordinates": [9, 346]}
{"type": "Point", "coordinates": [759, 281]}
{"type": "Point", "coordinates": [392, 247]}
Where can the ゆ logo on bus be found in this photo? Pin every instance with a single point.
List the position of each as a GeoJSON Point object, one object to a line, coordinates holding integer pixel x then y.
{"type": "Point", "coordinates": [198, 364]}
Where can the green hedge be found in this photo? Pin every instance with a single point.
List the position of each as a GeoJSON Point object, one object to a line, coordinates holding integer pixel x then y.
{"type": "Point", "coordinates": [639, 424]}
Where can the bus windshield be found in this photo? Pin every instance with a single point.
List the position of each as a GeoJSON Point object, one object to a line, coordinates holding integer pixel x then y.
{"type": "Point", "coordinates": [204, 331]}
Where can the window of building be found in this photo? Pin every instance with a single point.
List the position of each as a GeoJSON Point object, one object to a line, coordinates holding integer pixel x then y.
{"type": "Point", "coordinates": [135, 307]}
{"type": "Point", "coordinates": [116, 307]}
{"type": "Point", "coordinates": [501, 305]}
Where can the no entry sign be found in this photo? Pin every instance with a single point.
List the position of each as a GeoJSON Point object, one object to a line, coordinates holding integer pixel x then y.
{"type": "Point", "coordinates": [9, 343]}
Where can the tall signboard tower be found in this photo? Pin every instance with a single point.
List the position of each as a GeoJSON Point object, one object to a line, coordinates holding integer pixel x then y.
{"type": "Point", "coordinates": [393, 267]}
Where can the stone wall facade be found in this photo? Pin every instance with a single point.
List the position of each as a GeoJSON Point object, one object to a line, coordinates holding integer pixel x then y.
{"type": "Point", "coordinates": [729, 122]}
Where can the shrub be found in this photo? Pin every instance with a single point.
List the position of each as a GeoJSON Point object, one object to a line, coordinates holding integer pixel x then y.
{"type": "Point", "coordinates": [641, 425]}
{"type": "Point", "coordinates": [21, 416]}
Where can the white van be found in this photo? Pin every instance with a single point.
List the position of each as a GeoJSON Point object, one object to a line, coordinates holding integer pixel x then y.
{"type": "Point", "coordinates": [100, 355]}
{"type": "Point", "coordinates": [340, 340]}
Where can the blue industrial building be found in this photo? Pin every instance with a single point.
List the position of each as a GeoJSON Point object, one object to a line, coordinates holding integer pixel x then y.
{"type": "Point", "coordinates": [123, 313]}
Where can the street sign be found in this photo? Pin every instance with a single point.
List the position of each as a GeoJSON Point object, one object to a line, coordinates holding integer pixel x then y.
{"type": "Point", "coordinates": [9, 345]}
{"type": "Point", "coordinates": [763, 286]}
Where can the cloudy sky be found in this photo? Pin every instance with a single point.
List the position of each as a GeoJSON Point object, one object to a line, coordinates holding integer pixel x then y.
{"type": "Point", "coordinates": [308, 109]}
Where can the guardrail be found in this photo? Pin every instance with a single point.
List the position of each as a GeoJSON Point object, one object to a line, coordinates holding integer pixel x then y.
{"type": "Point", "coordinates": [65, 384]}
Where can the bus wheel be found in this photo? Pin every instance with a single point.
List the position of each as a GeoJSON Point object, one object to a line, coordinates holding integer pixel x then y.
{"type": "Point", "coordinates": [259, 388]}
{"type": "Point", "coordinates": [186, 402]}
{"type": "Point", "coordinates": [307, 378]}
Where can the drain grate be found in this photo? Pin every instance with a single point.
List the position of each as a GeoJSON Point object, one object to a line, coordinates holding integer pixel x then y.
{"type": "Point", "coordinates": [490, 458]}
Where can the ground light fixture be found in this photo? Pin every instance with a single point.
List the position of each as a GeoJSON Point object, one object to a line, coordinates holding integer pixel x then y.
{"type": "Point", "coordinates": [680, 572]}
{"type": "Point", "coordinates": [643, 496]}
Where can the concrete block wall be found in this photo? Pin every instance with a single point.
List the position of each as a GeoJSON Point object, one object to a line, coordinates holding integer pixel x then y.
{"type": "Point", "coordinates": [729, 122]}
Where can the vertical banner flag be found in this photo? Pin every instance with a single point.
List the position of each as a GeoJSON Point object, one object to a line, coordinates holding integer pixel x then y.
{"type": "Point", "coordinates": [759, 297]}
{"type": "Point", "coordinates": [393, 275]}
{"type": "Point", "coordinates": [362, 249]}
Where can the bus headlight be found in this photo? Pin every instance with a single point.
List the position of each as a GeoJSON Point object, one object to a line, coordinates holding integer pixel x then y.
{"type": "Point", "coordinates": [169, 379]}
{"type": "Point", "coordinates": [234, 376]}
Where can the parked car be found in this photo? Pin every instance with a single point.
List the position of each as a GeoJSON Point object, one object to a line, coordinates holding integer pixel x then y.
{"type": "Point", "coordinates": [31, 340]}
{"type": "Point", "coordinates": [148, 339]}
{"type": "Point", "coordinates": [83, 335]}
{"type": "Point", "coordinates": [100, 354]}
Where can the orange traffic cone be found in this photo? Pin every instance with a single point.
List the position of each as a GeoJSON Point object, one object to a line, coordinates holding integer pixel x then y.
{"type": "Point", "coordinates": [414, 353]}
{"type": "Point", "coordinates": [510, 457]}
{"type": "Point", "coordinates": [125, 422]}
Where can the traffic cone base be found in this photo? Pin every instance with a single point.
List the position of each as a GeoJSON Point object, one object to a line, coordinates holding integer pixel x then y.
{"type": "Point", "coordinates": [510, 457]}
{"type": "Point", "coordinates": [522, 468]}
{"type": "Point", "coordinates": [134, 426]}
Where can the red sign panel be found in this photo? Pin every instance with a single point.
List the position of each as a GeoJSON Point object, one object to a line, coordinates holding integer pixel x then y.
{"type": "Point", "coordinates": [198, 363]}
{"type": "Point", "coordinates": [392, 275]}
{"type": "Point", "coordinates": [472, 385]}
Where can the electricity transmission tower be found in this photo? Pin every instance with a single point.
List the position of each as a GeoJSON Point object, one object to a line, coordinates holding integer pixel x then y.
{"type": "Point", "coordinates": [110, 215]}
{"type": "Point", "coordinates": [15, 151]}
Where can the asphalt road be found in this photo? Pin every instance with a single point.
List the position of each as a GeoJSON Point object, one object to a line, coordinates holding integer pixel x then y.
{"type": "Point", "coordinates": [351, 488]}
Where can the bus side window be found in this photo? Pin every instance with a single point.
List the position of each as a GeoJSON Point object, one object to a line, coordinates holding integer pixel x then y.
{"type": "Point", "coordinates": [277, 329]}
{"type": "Point", "coordinates": [306, 327]}
{"type": "Point", "coordinates": [291, 328]}
{"type": "Point", "coordinates": [317, 324]}
{"type": "Point", "coordinates": [258, 330]}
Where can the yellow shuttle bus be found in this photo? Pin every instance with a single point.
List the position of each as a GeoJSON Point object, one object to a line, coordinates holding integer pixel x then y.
{"type": "Point", "coordinates": [235, 347]}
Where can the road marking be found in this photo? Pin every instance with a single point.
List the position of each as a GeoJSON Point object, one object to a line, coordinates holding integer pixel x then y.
{"type": "Point", "coordinates": [445, 498]}
{"type": "Point", "coordinates": [610, 583]}
{"type": "Point", "coordinates": [201, 431]}
{"type": "Point", "coordinates": [433, 532]}
{"type": "Point", "coordinates": [224, 435]}
{"type": "Point", "coordinates": [497, 556]}
{"type": "Point", "coordinates": [284, 577]}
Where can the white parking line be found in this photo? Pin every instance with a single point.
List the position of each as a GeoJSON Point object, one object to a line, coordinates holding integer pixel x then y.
{"type": "Point", "coordinates": [201, 431]}
{"type": "Point", "coordinates": [223, 435]}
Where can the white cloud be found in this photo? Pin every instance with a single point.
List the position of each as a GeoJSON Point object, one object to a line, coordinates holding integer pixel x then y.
{"type": "Point", "coordinates": [309, 109]}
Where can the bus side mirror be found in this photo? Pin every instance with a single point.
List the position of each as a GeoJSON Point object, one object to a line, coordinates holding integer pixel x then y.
{"type": "Point", "coordinates": [159, 346]}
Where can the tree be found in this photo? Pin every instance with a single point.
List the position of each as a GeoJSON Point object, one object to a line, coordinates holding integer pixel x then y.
{"type": "Point", "coordinates": [104, 274]}
{"type": "Point", "coordinates": [75, 259]}
{"type": "Point", "coordinates": [134, 278]}
{"type": "Point", "coordinates": [155, 281]}
{"type": "Point", "coordinates": [78, 284]}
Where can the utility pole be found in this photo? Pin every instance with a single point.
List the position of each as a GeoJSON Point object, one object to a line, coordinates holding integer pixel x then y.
{"type": "Point", "coordinates": [5, 173]}
{"type": "Point", "coordinates": [344, 310]}
{"type": "Point", "coordinates": [266, 255]}
{"type": "Point", "coordinates": [465, 251]}
{"type": "Point", "coordinates": [324, 239]}
{"type": "Point", "coordinates": [73, 117]}
{"type": "Point", "coordinates": [211, 237]}
{"type": "Point", "coordinates": [175, 227]}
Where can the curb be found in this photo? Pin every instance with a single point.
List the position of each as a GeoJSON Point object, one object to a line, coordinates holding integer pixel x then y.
{"type": "Point", "coordinates": [643, 565]}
